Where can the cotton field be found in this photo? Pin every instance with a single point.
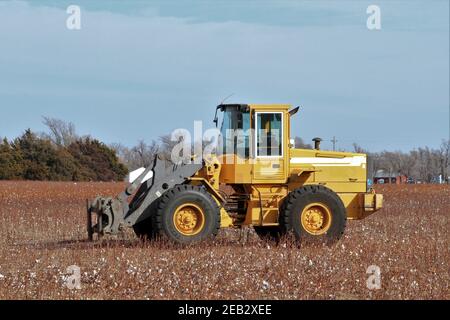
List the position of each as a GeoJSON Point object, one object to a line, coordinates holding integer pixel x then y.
{"type": "Point", "coordinates": [401, 252]}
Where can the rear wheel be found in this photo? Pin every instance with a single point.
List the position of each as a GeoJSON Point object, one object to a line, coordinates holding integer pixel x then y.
{"type": "Point", "coordinates": [314, 214]}
{"type": "Point", "coordinates": [187, 214]}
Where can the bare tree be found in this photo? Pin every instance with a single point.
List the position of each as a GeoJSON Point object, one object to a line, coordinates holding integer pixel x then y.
{"type": "Point", "coordinates": [445, 160]}
{"type": "Point", "coordinates": [167, 145]}
{"type": "Point", "coordinates": [301, 144]}
{"type": "Point", "coordinates": [145, 153]}
{"type": "Point", "coordinates": [358, 149]}
{"type": "Point", "coordinates": [427, 164]}
{"type": "Point", "coordinates": [141, 155]}
{"type": "Point", "coordinates": [122, 153]}
{"type": "Point", "coordinates": [62, 133]}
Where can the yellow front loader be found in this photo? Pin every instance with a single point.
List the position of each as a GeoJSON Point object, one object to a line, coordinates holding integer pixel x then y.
{"type": "Point", "coordinates": [256, 177]}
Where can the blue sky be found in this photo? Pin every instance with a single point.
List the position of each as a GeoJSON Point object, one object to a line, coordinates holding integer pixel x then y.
{"type": "Point", "coordinates": [139, 69]}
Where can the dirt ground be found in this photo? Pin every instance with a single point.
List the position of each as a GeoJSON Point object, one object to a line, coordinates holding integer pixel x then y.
{"type": "Point", "coordinates": [42, 234]}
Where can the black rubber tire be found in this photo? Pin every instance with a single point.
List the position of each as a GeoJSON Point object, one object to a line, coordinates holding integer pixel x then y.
{"type": "Point", "coordinates": [268, 233]}
{"type": "Point", "coordinates": [163, 218]}
{"type": "Point", "coordinates": [298, 199]}
{"type": "Point", "coordinates": [144, 229]}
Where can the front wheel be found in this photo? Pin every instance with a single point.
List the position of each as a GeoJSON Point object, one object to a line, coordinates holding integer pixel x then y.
{"type": "Point", "coordinates": [314, 214]}
{"type": "Point", "coordinates": [187, 214]}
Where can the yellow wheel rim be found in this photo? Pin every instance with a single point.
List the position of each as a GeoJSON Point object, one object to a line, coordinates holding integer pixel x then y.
{"type": "Point", "coordinates": [316, 218]}
{"type": "Point", "coordinates": [189, 219]}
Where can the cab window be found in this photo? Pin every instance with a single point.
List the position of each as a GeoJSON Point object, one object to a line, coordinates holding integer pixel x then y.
{"type": "Point", "coordinates": [235, 132]}
{"type": "Point", "coordinates": [269, 134]}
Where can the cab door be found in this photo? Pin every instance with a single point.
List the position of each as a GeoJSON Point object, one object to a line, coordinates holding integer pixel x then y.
{"type": "Point", "coordinates": [269, 148]}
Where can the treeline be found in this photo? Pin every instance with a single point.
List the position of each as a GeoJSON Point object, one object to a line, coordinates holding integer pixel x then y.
{"type": "Point", "coordinates": [59, 155]}
{"type": "Point", "coordinates": [142, 155]}
{"type": "Point", "coordinates": [62, 155]}
{"type": "Point", "coordinates": [421, 165]}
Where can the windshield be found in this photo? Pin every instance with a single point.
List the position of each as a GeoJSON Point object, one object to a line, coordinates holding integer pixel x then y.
{"type": "Point", "coordinates": [235, 132]}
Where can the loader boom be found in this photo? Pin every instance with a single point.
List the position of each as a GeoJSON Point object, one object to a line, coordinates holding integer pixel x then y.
{"type": "Point", "coordinates": [112, 214]}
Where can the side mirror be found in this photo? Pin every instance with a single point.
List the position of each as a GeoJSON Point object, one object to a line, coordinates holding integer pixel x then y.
{"type": "Point", "coordinates": [216, 119]}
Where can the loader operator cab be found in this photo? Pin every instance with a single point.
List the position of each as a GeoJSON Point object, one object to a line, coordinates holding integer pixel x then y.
{"type": "Point", "coordinates": [253, 142]}
{"type": "Point", "coordinates": [235, 130]}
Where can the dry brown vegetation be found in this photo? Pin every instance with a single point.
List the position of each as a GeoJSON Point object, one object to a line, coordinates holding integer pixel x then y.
{"type": "Point", "coordinates": [42, 232]}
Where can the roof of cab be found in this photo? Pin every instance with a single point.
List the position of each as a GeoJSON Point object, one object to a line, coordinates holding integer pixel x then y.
{"type": "Point", "coordinates": [280, 107]}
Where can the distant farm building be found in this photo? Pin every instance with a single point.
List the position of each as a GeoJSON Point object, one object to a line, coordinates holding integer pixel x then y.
{"type": "Point", "coordinates": [382, 176]}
